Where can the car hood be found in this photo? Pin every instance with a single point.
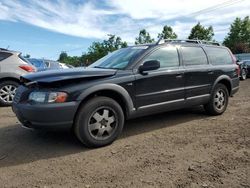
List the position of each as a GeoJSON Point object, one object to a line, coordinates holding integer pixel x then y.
{"type": "Point", "coordinates": [51, 76]}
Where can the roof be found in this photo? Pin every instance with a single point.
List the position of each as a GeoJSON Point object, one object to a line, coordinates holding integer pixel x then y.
{"type": "Point", "coordinates": [10, 51]}
{"type": "Point", "coordinates": [178, 41]}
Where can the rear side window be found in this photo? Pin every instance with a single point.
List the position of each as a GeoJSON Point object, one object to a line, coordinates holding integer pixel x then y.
{"type": "Point", "coordinates": [219, 56]}
{"type": "Point", "coordinates": [4, 55]}
{"type": "Point", "coordinates": [168, 57]}
{"type": "Point", "coordinates": [193, 56]}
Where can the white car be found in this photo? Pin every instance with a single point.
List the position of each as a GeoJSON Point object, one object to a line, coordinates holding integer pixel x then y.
{"type": "Point", "coordinates": [65, 66]}
{"type": "Point", "coordinates": [12, 66]}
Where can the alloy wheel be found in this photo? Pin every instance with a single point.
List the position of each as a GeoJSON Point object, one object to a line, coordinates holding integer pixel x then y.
{"type": "Point", "coordinates": [220, 99]}
{"type": "Point", "coordinates": [102, 123]}
{"type": "Point", "coordinates": [7, 93]}
{"type": "Point", "coordinates": [243, 74]}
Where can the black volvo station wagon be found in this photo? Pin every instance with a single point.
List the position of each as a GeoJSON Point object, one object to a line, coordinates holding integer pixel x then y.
{"type": "Point", "coordinates": [128, 83]}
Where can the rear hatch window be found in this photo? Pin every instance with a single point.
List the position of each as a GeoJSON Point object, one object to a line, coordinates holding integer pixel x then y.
{"type": "Point", "coordinates": [4, 55]}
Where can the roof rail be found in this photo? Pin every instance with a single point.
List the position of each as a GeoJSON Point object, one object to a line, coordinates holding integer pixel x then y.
{"type": "Point", "coordinates": [4, 49]}
{"type": "Point", "coordinates": [161, 41]}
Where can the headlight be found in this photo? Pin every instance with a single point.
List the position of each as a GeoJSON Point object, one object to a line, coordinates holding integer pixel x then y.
{"type": "Point", "coordinates": [48, 97]}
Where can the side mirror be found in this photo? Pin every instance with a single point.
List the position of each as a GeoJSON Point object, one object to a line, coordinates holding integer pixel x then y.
{"type": "Point", "coordinates": [149, 65]}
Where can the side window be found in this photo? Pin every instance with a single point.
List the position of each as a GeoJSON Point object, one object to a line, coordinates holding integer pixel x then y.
{"type": "Point", "coordinates": [47, 64]}
{"type": "Point", "coordinates": [168, 56]}
{"type": "Point", "coordinates": [193, 56]}
{"type": "Point", "coordinates": [219, 56]}
{"type": "Point", "coordinates": [4, 55]}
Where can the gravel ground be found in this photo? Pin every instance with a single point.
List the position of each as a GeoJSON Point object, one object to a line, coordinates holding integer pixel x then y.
{"type": "Point", "coordinates": [183, 148]}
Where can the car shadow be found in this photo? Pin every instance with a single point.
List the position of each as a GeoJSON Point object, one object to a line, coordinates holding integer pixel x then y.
{"type": "Point", "coordinates": [20, 146]}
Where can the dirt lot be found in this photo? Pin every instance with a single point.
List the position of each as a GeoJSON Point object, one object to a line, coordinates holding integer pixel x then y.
{"type": "Point", "coordinates": [178, 149]}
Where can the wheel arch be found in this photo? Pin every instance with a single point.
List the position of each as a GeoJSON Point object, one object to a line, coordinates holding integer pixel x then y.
{"type": "Point", "coordinates": [9, 79]}
{"type": "Point", "coordinates": [113, 91]}
{"type": "Point", "coordinates": [226, 81]}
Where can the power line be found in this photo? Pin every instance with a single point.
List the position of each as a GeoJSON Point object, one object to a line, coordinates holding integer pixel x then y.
{"type": "Point", "coordinates": [197, 13]}
{"type": "Point", "coordinates": [215, 7]}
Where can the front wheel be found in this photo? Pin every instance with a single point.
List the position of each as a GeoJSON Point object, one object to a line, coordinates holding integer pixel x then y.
{"type": "Point", "coordinates": [99, 122]}
{"type": "Point", "coordinates": [218, 101]}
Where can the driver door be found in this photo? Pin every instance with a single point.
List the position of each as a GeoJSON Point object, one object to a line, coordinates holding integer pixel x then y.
{"type": "Point", "coordinates": [164, 86]}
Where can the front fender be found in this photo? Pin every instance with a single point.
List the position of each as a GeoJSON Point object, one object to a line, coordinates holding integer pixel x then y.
{"type": "Point", "coordinates": [112, 87]}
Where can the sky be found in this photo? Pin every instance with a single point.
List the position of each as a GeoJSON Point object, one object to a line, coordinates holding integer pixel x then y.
{"type": "Point", "coordinates": [44, 28]}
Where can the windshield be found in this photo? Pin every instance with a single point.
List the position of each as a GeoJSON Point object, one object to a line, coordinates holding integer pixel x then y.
{"type": "Point", "coordinates": [119, 59]}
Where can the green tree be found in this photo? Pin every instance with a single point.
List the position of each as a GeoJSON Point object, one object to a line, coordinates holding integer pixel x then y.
{"type": "Point", "coordinates": [143, 38]}
{"type": "Point", "coordinates": [62, 57]}
{"type": "Point", "coordinates": [96, 51]}
{"type": "Point", "coordinates": [99, 49]}
{"type": "Point", "coordinates": [201, 33]}
{"type": "Point", "coordinates": [238, 38]}
{"type": "Point", "coordinates": [167, 33]}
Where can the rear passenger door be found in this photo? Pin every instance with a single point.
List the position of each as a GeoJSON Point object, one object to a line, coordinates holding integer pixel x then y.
{"type": "Point", "coordinates": [197, 72]}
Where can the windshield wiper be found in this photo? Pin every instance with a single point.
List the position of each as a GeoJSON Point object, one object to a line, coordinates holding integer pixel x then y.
{"type": "Point", "coordinates": [100, 67]}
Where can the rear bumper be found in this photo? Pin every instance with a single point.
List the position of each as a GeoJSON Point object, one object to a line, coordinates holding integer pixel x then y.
{"type": "Point", "coordinates": [235, 90]}
{"type": "Point", "coordinates": [47, 116]}
{"type": "Point", "coordinates": [235, 86]}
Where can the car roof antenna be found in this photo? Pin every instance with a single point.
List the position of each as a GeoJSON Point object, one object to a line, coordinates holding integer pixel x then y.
{"type": "Point", "coordinates": [159, 40]}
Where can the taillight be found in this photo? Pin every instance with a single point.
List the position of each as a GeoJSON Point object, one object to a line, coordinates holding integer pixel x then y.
{"type": "Point", "coordinates": [27, 68]}
{"type": "Point", "coordinates": [235, 62]}
{"type": "Point", "coordinates": [238, 70]}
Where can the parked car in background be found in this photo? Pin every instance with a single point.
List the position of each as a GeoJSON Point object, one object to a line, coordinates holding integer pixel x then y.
{"type": "Point", "coordinates": [65, 66]}
{"type": "Point", "coordinates": [243, 69]}
{"type": "Point", "coordinates": [44, 64]}
{"type": "Point", "coordinates": [12, 66]}
{"type": "Point", "coordinates": [247, 63]}
{"type": "Point", "coordinates": [127, 83]}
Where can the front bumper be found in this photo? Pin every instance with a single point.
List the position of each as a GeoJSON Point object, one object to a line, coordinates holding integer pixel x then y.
{"type": "Point", "coordinates": [39, 116]}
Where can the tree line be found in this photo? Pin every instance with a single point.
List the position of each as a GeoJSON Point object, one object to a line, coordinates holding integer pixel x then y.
{"type": "Point", "coordinates": [237, 39]}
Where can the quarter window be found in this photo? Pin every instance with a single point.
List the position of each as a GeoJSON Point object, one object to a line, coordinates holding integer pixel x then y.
{"type": "Point", "coordinates": [167, 56]}
{"type": "Point", "coordinates": [219, 56]}
{"type": "Point", "coordinates": [194, 56]}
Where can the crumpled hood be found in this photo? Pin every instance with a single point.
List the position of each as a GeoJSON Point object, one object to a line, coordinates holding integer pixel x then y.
{"type": "Point", "coordinates": [67, 74]}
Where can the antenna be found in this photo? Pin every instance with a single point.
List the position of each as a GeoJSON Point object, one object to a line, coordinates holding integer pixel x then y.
{"type": "Point", "coordinates": [160, 40]}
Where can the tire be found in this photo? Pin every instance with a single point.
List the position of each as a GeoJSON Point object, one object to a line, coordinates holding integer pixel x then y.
{"type": "Point", "coordinates": [219, 100]}
{"type": "Point", "coordinates": [243, 75]}
{"type": "Point", "coordinates": [99, 122]}
{"type": "Point", "coordinates": [7, 92]}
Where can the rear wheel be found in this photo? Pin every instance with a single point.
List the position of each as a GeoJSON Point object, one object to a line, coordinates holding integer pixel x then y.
{"type": "Point", "coordinates": [218, 101]}
{"type": "Point", "coordinates": [7, 92]}
{"type": "Point", "coordinates": [99, 122]}
{"type": "Point", "coordinates": [243, 75]}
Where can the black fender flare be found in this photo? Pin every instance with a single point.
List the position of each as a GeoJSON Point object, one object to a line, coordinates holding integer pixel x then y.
{"type": "Point", "coordinates": [112, 87]}
{"type": "Point", "coordinates": [220, 78]}
{"type": "Point", "coordinates": [9, 75]}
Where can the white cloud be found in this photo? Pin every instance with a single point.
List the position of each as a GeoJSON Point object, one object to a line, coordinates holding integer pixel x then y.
{"type": "Point", "coordinates": [123, 17]}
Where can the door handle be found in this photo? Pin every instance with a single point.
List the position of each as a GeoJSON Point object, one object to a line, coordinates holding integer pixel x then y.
{"type": "Point", "coordinates": [210, 72]}
{"type": "Point", "coordinates": [179, 76]}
